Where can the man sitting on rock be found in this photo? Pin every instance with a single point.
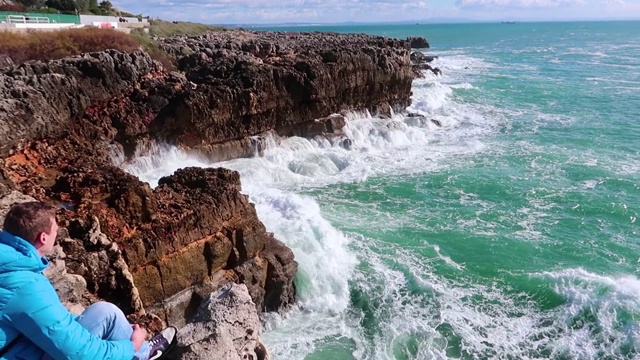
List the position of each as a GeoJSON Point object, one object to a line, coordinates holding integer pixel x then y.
{"type": "Point", "coordinates": [33, 322]}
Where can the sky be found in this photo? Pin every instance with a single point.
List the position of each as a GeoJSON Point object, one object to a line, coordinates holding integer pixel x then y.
{"type": "Point", "coordinates": [338, 11]}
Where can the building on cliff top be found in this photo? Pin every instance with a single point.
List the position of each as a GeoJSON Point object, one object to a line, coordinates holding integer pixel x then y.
{"type": "Point", "coordinates": [23, 21]}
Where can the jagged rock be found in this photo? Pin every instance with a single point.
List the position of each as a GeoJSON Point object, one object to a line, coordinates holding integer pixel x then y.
{"type": "Point", "coordinates": [331, 125]}
{"type": "Point", "coordinates": [281, 268]}
{"type": "Point", "coordinates": [226, 326]}
{"type": "Point", "coordinates": [419, 67]}
{"type": "Point", "coordinates": [418, 42]}
{"type": "Point", "coordinates": [62, 122]}
{"type": "Point", "coordinates": [194, 228]}
{"type": "Point", "coordinates": [413, 119]}
{"type": "Point", "coordinates": [5, 61]}
{"type": "Point", "coordinates": [10, 199]}
{"type": "Point", "coordinates": [420, 62]}
{"type": "Point", "coordinates": [99, 261]}
{"type": "Point", "coordinates": [6, 185]}
{"type": "Point", "coordinates": [293, 82]}
{"type": "Point", "coordinates": [40, 99]}
{"type": "Point", "coordinates": [70, 287]}
{"type": "Point", "coordinates": [418, 57]}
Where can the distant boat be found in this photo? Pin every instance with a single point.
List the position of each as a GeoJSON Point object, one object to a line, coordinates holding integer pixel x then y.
{"type": "Point", "coordinates": [508, 22]}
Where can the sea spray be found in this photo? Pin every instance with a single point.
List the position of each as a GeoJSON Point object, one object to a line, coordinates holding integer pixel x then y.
{"type": "Point", "coordinates": [509, 231]}
{"type": "Point", "coordinates": [329, 277]}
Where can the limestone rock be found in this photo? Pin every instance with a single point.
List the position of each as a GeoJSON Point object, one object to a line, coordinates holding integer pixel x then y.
{"type": "Point", "coordinates": [281, 82]}
{"type": "Point", "coordinates": [420, 62]}
{"type": "Point", "coordinates": [420, 57]}
{"type": "Point", "coordinates": [5, 61]}
{"type": "Point", "coordinates": [66, 124]}
{"type": "Point", "coordinates": [69, 287]}
{"type": "Point", "coordinates": [418, 42]}
{"type": "Point", "coordinates": [40, 99]}
{"type": "Point", "coordinates": [226, 326]}
{"type": "Point", "coordinates": [10, 199]}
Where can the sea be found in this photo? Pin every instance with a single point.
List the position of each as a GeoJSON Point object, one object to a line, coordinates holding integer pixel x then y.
{"type": "Point", "coordinates": [509, 232]}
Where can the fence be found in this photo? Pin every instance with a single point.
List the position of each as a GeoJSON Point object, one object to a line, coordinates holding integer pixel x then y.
{"type": "Point", "coordinates": [90, 19]}
{"type": "Point", "coordinates": [53, 18]}
{"type": "Point", "coordinates": [19, 19]}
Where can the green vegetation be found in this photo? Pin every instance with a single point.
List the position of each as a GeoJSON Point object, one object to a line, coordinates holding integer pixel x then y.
{"type": "Point", "coordinates": [21, 47]}
{"type": "Point", "coordinates": [44, 45]}
{"type": "Point", "coordinates": [105, 7]}
{"type": "Point", "coordinates": [166, 28]}
{"type": "Point", "coordinates": [152, 48]}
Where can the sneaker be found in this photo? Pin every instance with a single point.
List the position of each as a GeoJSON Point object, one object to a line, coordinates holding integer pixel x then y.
{"type": "Point", "coordinates": [160, 344]}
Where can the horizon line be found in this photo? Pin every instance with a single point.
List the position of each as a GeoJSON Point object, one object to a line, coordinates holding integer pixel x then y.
{"type": "Point", "coordinates": [440, 21]}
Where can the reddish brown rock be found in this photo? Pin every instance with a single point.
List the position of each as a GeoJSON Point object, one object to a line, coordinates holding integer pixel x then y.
{"type": "Point", "coordinates": [64, 124]}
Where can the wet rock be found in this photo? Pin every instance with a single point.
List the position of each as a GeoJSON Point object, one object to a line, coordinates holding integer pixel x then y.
{"type": "Point", "coordinates": [346, 144]}
{"type": "Point", "coordinates": [420, 57]}
{"type": "Point", "coordinates": [326, 126]}
{"type": "Point", "coordinates": [418, 42]}
{"type": "Point", "coordinates": [283, 87]}
{"type": "Point", "coordinates": [281, 268]}
{"type": "Point", "coordinates": [414, 119]}
{"type": "Point", "coordinates": [420, 67]}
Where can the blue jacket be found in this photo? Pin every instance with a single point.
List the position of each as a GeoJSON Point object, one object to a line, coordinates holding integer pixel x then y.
{"type": "Point", "coordinates": [29, 305]}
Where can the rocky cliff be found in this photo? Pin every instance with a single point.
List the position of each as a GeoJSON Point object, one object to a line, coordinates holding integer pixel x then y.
{"type": "Point", "coordinates": [275, 81]}
{"type": "Point", "coordinates": [163, 250]}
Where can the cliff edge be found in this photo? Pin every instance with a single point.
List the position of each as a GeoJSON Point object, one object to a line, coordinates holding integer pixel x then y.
{"type": "Point", "coordinates": [66, 124]}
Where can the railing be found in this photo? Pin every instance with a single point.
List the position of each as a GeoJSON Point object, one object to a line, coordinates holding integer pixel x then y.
{"type": "Point", "coordinates": [17, 19]}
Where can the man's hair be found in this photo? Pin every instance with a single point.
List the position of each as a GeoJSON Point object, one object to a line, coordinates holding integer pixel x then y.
{"type": "Point", "coordinates": [30, 219]}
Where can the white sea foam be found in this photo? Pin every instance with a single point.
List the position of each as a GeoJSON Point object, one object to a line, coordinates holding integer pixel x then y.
{"type": "Point", "coordinates": [327, 258]}
{"type": "Point", "coordinates": [588, 325]}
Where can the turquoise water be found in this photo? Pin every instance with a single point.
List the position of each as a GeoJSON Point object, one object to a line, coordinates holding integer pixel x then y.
{"type": "Point", "coordinates": [510, 232]}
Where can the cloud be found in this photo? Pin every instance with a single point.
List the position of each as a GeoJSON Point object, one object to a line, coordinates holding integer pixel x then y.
{"type": "Point", "coordinates": [334, 11]}
{"type": "Point", "coordinates": [522, 4]}
{"type": "Point", "coordinates": [258, 11]}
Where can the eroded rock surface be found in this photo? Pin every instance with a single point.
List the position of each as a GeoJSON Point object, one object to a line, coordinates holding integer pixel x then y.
{"type": "Point", "coordinates": [420, 61]}
{"type": "Point", "coordinates": [65, 125]}
{"type": "Point", "coordinates": [279, 81]}
{"type": "Point", "coordinates": [418, 42]}
{"type": "Point", "coordinates": [226, 326]}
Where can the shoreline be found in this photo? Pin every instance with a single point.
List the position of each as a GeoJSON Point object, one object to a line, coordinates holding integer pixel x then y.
{"type": "Point", "coordinates": [60, 146]}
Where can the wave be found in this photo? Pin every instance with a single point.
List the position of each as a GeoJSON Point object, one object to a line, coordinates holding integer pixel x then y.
{"type": "Point", "coordinates": [331, 261]}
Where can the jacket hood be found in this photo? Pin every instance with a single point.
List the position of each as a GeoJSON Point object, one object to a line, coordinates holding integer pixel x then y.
{"type": "Point", "coordinates": [17, 254]}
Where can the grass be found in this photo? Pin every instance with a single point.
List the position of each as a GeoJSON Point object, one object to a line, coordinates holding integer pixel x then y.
{"type": "Point", "coordinates": [45, 45]}
{"type": "Point", "coordinates": [165, 28]}
{"type": "Point", "coordinates": [51, 45]}
{"type": "Point", "coordinates": [151, 47]}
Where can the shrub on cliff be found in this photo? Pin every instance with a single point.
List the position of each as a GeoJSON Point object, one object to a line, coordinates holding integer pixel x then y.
{"type": "Point", "coordinates": [38, 45]}
{"type": "Point", "coordinates": [12, 7]}
{"type": "Point", "coordinates": [152, 48]}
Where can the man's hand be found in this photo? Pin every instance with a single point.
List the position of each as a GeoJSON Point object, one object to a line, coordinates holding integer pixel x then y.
{"type": "Point", "coordinates": [138, 336]}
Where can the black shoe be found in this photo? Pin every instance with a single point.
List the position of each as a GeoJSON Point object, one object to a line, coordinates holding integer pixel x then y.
{"type": "Point", "coordinates": [160, 344]}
